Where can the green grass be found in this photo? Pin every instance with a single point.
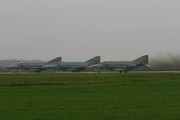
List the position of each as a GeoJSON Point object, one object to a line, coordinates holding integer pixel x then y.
{"type": "Point", "coordinates": [90, 96]}
{"type": "Point", "coordinates": [74, 79]}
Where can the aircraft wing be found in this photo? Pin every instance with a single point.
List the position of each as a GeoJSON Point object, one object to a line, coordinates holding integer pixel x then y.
{"type": "Point", "coordinates": [76, 68]}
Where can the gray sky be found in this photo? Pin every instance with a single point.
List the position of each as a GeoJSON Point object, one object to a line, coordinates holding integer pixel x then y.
{"type": "Point", "coordinates": [78, 30]}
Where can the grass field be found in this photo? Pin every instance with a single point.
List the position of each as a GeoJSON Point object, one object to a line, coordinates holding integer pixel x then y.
{"type": "Point", "coordinates": [90, 96]}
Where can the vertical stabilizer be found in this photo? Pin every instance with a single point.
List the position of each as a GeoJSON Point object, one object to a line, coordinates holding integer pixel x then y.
{"type": "Point", "coordinates": [95, 60]}
{"type": "Point", "coordinates": [143, 59]}
{"type": "Point", "coordinates": [58, 59]}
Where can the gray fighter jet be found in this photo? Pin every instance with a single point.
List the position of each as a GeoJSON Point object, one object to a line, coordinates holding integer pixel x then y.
{"type": "Point", "coordinates": [122, 65]}
{"type": "Point", "coordinates": [37, 67]}
{"type": "Point", "coordinates": [75, 66]}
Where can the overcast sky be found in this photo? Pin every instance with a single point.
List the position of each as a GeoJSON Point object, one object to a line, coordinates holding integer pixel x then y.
{"type": "Point", "coordinates": [78, 30]}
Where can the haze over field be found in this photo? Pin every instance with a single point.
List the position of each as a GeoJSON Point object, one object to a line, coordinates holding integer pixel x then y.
{"type": "Point", "coordinates": [81, 29]}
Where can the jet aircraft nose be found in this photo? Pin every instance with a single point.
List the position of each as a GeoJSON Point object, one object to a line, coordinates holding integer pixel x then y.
{"type": "Point", "coordinates": [96, 66]}
{"type": "Point", "coordinates": [49, 66]}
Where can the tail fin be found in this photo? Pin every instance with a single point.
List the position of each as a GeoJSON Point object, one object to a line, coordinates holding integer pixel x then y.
{"type": "Point", "coordinates": [58, 59]}
{"type": "Point", "coordinates": [95, 60]}
{"type": "Point", "coordinates": [143, 59]}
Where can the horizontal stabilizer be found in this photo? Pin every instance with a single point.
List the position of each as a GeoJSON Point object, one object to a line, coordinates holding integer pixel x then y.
{"type": "Point", "coordinates": [147, 65]}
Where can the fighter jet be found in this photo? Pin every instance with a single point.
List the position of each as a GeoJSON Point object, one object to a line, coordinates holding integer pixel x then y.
{"type": "Point", "coordinates": [122, 65]}
{"type": "Point", "coordinates": [37, 67]}
{"type": "Point", "coordinates": [75, 66]}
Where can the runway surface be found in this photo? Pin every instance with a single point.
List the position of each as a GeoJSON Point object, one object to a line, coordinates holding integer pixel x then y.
{"type": "Point", "coordinates": [62, 72]}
